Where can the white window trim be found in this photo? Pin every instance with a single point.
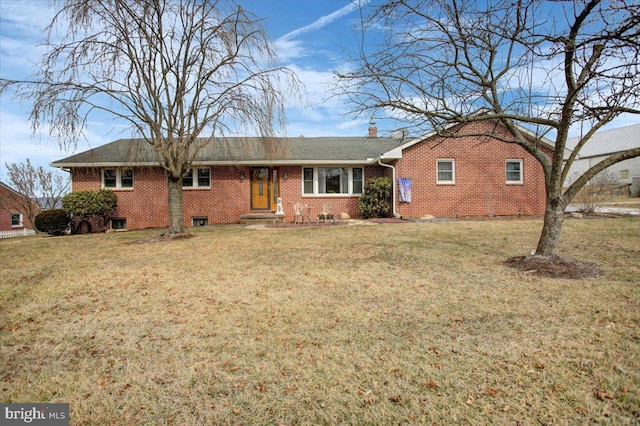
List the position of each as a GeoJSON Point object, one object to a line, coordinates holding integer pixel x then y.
{"type": "Point", "coordinates": [19, 225]}
{"type": "Point", "coordinates": [119, 186]}
{"type": "Point", "coordinates": [453, 171]}
{"type": "Point", "coordinates": [316, 184]}
{"type": "Point", "coordinates": [514, 160]}
{"type": "Point", "coordinates": [194, 176]}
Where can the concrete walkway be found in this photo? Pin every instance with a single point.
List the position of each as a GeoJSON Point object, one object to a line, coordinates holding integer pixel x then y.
{"type": "Point", "coordinates": [607, 209]}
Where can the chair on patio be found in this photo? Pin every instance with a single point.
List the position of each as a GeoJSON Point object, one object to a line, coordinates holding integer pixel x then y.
{"type": "Point", "coordinates": [300, 212]}
{"type": "Point", "coordinates": [326, 214]}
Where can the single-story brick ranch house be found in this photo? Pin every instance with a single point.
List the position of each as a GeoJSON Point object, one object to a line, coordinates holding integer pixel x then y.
{"type": "Point", "coordinates": [442, 177]}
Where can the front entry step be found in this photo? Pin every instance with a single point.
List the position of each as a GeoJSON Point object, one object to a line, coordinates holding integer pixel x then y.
{"type": "Point", "coordinates": [261, 218]}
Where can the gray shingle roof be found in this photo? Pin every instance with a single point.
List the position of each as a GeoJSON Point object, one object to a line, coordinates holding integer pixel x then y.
{"type": "Point", "coordinates": [607, 142]}
{"type": "Point", "coordinates": [316, 150]}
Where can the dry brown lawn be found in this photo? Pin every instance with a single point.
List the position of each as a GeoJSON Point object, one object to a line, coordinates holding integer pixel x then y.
{"type": "Point", "coordinates": [384, 324]}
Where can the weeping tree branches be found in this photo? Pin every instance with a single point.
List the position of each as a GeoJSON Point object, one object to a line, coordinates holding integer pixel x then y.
{"type": "Point", "coordinates": [177, 73]}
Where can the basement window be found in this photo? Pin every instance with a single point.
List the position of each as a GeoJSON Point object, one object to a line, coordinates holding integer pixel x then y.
{"type": "Point", "coordinates": [118, 223]}
{"type": "Point", "coordinates": [199, 221]}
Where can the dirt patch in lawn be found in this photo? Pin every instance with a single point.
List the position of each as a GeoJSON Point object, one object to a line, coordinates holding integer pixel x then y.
{"type": "Point", "coordinates": [162, 238]}
{"type": "Point", "coordinates": [554, 267]}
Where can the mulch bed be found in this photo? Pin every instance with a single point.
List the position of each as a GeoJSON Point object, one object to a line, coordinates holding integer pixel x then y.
{"type": "Point", "coordinates": [337, 222]}
{"type": "Point", "coordinates": [554, 267]}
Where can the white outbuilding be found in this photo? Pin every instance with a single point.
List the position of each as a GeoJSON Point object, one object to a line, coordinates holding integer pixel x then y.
{"type": "Point", "coordinates": [605, 143]}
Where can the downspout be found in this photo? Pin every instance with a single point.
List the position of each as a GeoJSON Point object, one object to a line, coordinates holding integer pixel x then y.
{"type": "Point", "coordinates": [393, 186]}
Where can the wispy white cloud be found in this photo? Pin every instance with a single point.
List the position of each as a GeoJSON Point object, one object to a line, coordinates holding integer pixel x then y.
{"type": "Point", "coordinates": [325, 20]}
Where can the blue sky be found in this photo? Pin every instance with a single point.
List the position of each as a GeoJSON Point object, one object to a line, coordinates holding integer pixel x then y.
{"type": "Point", "coordinates": [310, 37]}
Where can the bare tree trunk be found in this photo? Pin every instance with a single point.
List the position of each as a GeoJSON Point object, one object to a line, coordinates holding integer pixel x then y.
{"type": "Point", "coordinates": [553, 219]}
{"type": "Point", "coordinates": [176, 225]}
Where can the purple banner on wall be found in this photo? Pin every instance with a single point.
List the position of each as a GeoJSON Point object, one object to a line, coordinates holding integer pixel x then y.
{"type": "Point", "coordinates": [404, 184]}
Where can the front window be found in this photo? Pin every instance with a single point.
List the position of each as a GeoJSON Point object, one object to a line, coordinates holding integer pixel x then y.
{"type": "Point", "coordinates": [16, 220]}
{"type": "Point", "coordinates": [358, 180]}
{"type": "Point", "coordinates": [514, 171]}
{"type": "Point", "coordinates": [109, 178]}
{"type": "Point", "coordinates": [333, 180]}
{"type": "Point", "coordinates": [117, 178]}
{"type": "Point", "coordinates": [197, 178]}
{"type": "Point", "coordinates": [446, 171]}
{"type": "Point", "coordinates": [308, 180]}
{"type": "Point", "coordinates": [126, 178]}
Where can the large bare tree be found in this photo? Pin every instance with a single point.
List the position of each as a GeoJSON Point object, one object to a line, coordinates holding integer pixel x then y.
{"type": "Point", "coordinates": [38, 188]}
{"type": "Point", "coordinates": [178, 72]}
{"type": "Point", "coordinates": [542, 69]}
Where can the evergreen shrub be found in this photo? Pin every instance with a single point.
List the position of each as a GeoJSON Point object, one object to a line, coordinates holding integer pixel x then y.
{"type": "Point", "coordinates": [376, 200]}
{"type": "Point", "coordinates": [53, 222]}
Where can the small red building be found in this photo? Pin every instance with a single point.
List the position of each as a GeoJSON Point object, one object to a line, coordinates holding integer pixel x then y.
{"type": "Point", "coordinates": [15, 209]}
{"type": "Point", "coordinates": [442, 177]}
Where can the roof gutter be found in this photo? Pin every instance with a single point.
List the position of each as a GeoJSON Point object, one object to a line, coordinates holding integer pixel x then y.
{"type": "Point", "coordinates": [393, 185]}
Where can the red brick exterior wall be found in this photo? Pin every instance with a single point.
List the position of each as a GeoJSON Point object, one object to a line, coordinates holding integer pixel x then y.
{"type": "Point", "coordinates": [291, 193]}
{"type": "Point", "coordinates": [8, 205]}
{"type": "Point", "coordinates": [480, 187]}
{"type": "Point", "coordinates": [146, 205]}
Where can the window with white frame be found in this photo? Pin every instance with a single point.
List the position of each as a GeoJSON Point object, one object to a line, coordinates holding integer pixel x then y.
{"type": "Point", "coordinates": [117, 178]}
{"type": "Point", "coordinates": [332, 180]}
{"type": "Point", "coordinates": [16, 220]}
{"type": "Point", "coordinates": [307, 174]}
{"type": "Point", "coordinates": [514, 171]}
{"type": "Point", "coordinates": [357, 179]}
{"type": "Point", "coordinates": [446, 171]}
{"type": "Point", "coordinates": [197, 178]}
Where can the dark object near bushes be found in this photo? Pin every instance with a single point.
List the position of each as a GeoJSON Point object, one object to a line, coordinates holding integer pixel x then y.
{"type": "Point", "coordinates": [376, 200]}
{"type": "Point", "coordinates": [84, 206]}
{"type": "Point", "coordinates": [53, 222]}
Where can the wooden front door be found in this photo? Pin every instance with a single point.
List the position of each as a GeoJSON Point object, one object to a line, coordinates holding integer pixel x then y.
{"type": "Point", "coordinates": [261, 188]}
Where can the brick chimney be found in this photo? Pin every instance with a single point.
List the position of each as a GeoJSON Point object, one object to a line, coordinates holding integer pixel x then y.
{"type": "Point", "coordinates": [373, 130]}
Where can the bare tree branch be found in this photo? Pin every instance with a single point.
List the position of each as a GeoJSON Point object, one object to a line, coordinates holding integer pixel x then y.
{"type": "Point", "coordinates": [173, 71]}
{"type": "Point", "coordinates": [539, 66]}
{"type": "Point", "coordinates": [39, 189]}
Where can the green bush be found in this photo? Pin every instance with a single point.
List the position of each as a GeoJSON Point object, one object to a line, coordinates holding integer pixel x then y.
{"type": "Point", "coordinates": [376, 200]}
{"type": "Point", "coordinates": [53, 222]}
{"type": "Point", "coordinates": [85, 205]}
